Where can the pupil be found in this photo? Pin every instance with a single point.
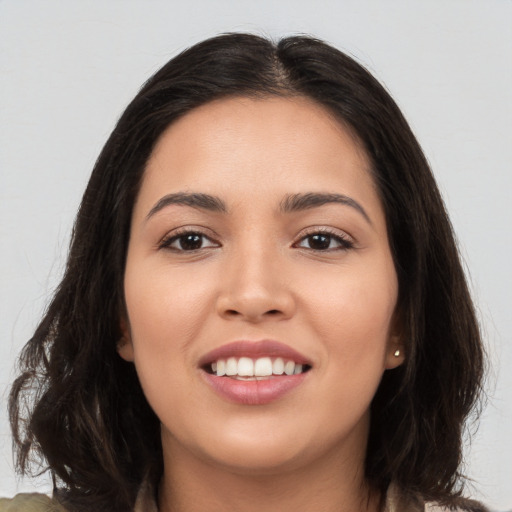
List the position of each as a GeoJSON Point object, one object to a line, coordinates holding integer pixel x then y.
{"type": "Point", "coordinates": [320, 241]}
{"type": "Point", "coordinates": [191, 242]}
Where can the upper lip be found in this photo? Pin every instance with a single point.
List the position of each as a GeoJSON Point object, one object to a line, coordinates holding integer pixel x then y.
{"type": "Point", "coordinates": [254, 349]}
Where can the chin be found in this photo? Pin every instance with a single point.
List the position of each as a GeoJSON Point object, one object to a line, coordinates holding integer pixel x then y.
{"type": "Point", "coordinates": [255, 460]}
{"type": "Point", "coordinates": [251, 449]}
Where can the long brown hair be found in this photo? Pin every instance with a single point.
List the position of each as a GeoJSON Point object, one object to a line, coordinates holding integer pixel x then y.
{"type": "Point", "coordinates": [79, 408]}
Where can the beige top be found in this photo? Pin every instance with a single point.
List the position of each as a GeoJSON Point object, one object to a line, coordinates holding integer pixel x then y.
{"type": "Point", "coordinates": [146, 503]}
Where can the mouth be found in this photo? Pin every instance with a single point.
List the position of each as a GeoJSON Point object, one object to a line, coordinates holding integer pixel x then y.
{"type": "Point", "coordinates": [254, 373]}
{"type": "Point", "coordinates": [261, 368]}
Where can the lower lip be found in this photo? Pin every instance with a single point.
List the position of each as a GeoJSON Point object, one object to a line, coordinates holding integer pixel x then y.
{"type": "Point", "coordinates": [254, 392]}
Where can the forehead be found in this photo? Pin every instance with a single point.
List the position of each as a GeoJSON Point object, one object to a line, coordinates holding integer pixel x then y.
{"type": "Point", "coordinates": [263, 147]}
{"type": "Point", "coordinates": [273, 120]}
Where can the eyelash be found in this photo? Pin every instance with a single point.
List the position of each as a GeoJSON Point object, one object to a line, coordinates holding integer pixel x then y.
{"type": "Point", "coordinates": [168, 241]}
{"type": "Point", "coordinates": [344, 243]}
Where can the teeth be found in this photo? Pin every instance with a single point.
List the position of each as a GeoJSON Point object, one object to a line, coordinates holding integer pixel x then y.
{"type": "Point", "coordinates": [221, 368]}
{"type": "Point", "coordinates": [231, 366]}
{"type": "Point", "coordinates": [245, 367]}
{"type": "Point", "coordinates": [278, 366]}
{"type": "Point", "coordinates": [289, 368]}
{"type": "Point", "coordinates": [263, 367]}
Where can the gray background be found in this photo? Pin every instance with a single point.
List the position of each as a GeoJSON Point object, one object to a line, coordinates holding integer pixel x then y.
{"type": "Point", "coordinates": [67, 70]}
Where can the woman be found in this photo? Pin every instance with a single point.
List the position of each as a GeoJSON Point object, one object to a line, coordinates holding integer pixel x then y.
{"type": "Point", "coordinates": [263, 306]}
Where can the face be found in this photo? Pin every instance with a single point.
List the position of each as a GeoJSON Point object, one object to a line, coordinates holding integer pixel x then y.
{"type": "Point", "coordinates": [260, 287]}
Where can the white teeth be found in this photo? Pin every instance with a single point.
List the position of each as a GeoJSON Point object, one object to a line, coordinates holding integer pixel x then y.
{"type": "Point", "coordinates": [263, 367]}
{"type": "Point", "coordinates": [245, 367]}
{"type": "Point", "coordinates": [221, 368]}
{"type": "Point", "coordinates": [258, 369]}
{"type": "Point", "coordinates": [278, 366]}
{"type": "Point", "coordinates": [231, 366]}
{"type": "Point", "coordinates": [289, 368]}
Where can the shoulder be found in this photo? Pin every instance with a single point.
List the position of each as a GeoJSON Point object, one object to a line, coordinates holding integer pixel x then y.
{"type": "Point", "coordinates": [400, 501]}
{"type": "Point", "coordinates": [30, 503]}
{"type": "Point", "coordinates": [468, 506]}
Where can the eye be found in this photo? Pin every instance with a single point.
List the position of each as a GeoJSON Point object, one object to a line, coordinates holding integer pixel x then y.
{"type": "Point", "coordinates": [324, 241]}
{"type": "Point", "coordinates": [187, 241]}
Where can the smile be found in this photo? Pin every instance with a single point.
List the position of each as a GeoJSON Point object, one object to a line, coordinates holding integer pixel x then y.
{"type": "Point", "coordinates": [254, 372]}
{"type": "Point", "coordinates": [246, 368]}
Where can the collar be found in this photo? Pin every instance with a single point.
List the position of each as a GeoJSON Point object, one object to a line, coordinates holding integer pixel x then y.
{"type": "Point", "coordinates": [396, 501]}
{"type": "Point", "coordinates": [146, 498]}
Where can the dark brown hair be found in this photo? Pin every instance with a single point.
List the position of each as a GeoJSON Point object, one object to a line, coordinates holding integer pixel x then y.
{"type": "Point", "coordinates": [78, 407]}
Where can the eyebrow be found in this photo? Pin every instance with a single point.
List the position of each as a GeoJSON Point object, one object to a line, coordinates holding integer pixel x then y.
{"type": "Point", "coordinates": [193, 199]}
{"type": "Point", "coordinates": [299, 202]}
{"type": "Point", "coordinates": [291, 203]}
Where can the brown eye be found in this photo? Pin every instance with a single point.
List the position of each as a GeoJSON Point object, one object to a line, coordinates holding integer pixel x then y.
{"type": "Point", "coordinates": [324, 242]}
{"type": "Point", "coordinates": [190, 241]}
{"type": "Point", "coordinates": [319, 242]}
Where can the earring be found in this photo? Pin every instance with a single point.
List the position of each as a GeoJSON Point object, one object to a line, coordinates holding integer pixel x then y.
{"type": "Point", "coordinates": [397, 353]}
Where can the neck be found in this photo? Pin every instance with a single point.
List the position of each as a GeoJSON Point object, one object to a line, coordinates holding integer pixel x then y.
{"type": "Point", "coordinates": [332, 484]}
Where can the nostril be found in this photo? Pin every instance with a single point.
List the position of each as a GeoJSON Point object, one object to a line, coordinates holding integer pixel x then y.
{"type": "Point", "coordinates": [232, 312]}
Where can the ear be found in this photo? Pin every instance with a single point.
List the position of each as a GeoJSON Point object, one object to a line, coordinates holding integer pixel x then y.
{"type": "Point", "coordinates": [395, 352]}
{"type": "Point", "coordinates": [125, 345]}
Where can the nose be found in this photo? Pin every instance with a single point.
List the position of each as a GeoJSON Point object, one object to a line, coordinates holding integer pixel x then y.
{"type": "Point", "coordinates": [255, 288]}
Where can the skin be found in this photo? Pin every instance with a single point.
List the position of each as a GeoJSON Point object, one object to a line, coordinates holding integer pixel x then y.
{"type": "Point", "coordinates": [258, 275]}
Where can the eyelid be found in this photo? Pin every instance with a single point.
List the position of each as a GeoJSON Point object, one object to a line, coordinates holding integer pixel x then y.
{"type": "Point", "coordinates": [345, 240]}
{"type": "Point", "coordinates": [173, 235]}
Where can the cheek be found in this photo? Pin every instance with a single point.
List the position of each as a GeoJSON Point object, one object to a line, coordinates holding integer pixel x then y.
{"type": "Point", "coordinates": [363, 295]}
{"type": "Point", "coordinates": [165, 314]}
{"type": "Point", "coordinates": [353, 311]}
{"type": "Point", "coordinates": [164, 307]}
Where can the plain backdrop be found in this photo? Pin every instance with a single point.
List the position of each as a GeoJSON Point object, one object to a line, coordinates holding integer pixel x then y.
{"type": "Point", "coordinates": [68, 69]}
